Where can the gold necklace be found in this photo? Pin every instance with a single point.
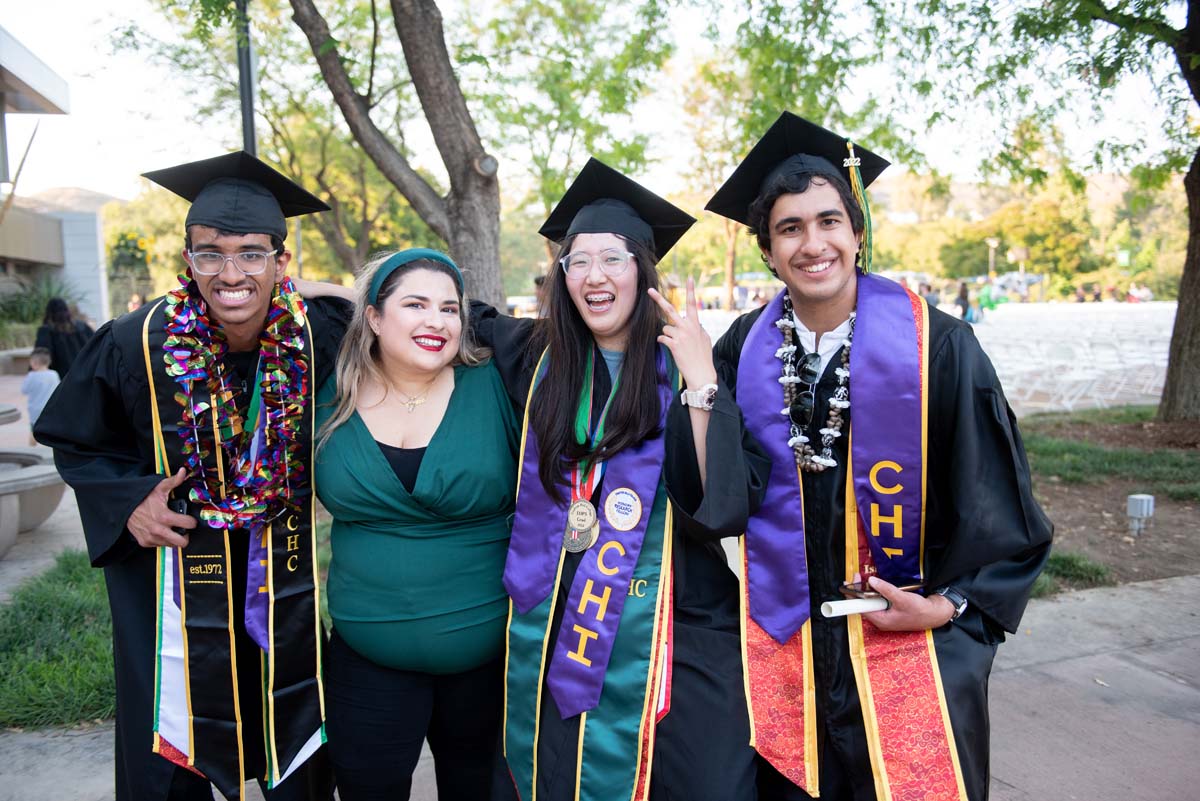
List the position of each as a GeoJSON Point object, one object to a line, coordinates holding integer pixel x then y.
{"type": "Point", "coordinates": [413, 401]}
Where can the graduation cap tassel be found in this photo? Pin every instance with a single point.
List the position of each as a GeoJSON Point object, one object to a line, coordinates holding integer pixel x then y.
{"type": "Point", "coordinates": [852, 162]}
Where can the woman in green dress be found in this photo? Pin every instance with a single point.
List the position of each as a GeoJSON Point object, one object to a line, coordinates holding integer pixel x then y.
{"type": "Point", "coordinates": [417, 463]}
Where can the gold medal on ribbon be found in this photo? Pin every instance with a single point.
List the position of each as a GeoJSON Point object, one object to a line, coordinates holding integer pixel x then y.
{"type": "Point", "coordinates": [576, 541]}
{"type": "Point", "coordinates": [581, 515]}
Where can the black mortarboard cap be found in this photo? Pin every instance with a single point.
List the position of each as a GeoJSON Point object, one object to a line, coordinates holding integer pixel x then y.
{"type": "Point", "coordinates": [237, 192]}
{"type": "Point", "coordinates": [790, 146]}
{"type": "Point", "coordinates": [603, 201]}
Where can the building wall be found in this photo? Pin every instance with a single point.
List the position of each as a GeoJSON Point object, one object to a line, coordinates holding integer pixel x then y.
{"type": "Point", "coordinates": [85, 266]}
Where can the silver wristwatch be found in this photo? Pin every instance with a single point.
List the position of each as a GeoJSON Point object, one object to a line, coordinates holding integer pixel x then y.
{"type": "Point", "coordinates": [955, 597]}
{"type": "Point", "coordinates": [702, 398]}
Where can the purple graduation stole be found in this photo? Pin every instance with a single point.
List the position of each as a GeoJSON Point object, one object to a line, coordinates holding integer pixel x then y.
{"type": "Point", "coordinates": [598, 592]}
{"type": "Point", "coordinates": [888, 375]}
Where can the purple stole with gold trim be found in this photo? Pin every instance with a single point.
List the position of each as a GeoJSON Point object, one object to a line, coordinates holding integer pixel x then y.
{"type": "Point", "coordinates": [896, 673]}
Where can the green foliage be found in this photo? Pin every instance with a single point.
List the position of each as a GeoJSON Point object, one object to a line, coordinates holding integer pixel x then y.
{"type": "Point", "coordinates": [1077, 569]}
{"type": "Point", "coordinates": [128, 254]}
{"type": "Point", "coordinates": [157, 216]}
{"type": "Point", "coordinates": [300, 130]}
{"type": "Point", "coordinates": [557, 82]}
{"type": "Point", "coordinates": [17, 335]}
{"type": "Point", "coordinates": [56, 648]}
{"type": "Point", "coordinates": [522, 251]}
{"type": "Point", "coordinates": [28, 304]}
{"type": "Point", "coordinates": [1070, 570]}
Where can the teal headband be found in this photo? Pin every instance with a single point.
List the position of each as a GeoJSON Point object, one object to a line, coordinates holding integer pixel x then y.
{"type": "Point", "coordinates": [397, 260]}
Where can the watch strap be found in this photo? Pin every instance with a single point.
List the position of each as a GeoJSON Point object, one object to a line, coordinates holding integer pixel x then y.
{"type": "Point", "coordinates": [955, 597]}
{"type": "Point", "coordinates": [702, 398]}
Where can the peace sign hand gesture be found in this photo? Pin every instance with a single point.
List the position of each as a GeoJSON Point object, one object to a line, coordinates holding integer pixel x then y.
{"type": "Point", "coordinates": [687, 340]}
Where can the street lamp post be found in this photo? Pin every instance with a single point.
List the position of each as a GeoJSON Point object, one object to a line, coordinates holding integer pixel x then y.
{"type": "Point", "coordinates": [992, 243]}
{"type": "Point", "coordinates": [246, 78]}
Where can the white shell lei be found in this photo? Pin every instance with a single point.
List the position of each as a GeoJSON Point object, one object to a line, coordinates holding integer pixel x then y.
{"type": "Point", "coordinates": [806, 458]}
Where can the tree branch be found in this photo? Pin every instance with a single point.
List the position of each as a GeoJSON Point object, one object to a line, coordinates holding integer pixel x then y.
{"type": "Point", "coordinates": [1156, 30]}
{"type": "Point", "coordinates": [374, 47]}
{"type": "Point", "coordinates": [419, 25]}
{"type": "Point", "coordinates": [430, 206]}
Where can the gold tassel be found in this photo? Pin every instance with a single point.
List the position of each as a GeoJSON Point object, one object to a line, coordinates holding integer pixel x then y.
{"type": "Point", "coordinates": [860, 194]}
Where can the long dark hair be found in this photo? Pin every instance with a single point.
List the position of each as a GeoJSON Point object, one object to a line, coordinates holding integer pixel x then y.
{"type": "Point", "coordinates": [635, 410]}
{"type": "Point", "coordinates": [58, 315]}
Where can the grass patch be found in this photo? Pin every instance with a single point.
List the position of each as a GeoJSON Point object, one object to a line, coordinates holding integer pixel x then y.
{"type": "Point", "coordinates": [1078, 569]}
{"type": "Point", "coordinates": [1113, 415]}
{"type": "Point", "coordinates": [1069, 570]}
{"type": "Point", "coordinates": [1083, 462]}
{"type": "Point", "coordinates": [1044, 586]}
{"type": "Point", "coordinates": [56, 648]}
{"type": "Point", "coordinates": [1163, 471]}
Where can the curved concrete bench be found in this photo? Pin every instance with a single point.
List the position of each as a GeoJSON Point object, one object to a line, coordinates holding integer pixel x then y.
{"type": "Point", "coordinates": [30, 491]}
{"type": "Point", "coordinates": [9, 413]}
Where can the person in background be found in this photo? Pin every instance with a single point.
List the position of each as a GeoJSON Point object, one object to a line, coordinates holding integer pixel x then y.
{"type": "Point", "coordinates": [931, 295]}
{"type": "Point", "coordinates": [62, 335]}
{"type": "Point", "coordinates": [135, 302]}
{"type": "Point", "coordinates": [963, 301]}
{"type": "Point", "coordinates": [38, 385]}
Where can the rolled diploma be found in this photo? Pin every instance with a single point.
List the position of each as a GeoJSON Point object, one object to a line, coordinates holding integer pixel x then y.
{"type": "Point", "coordinates": [853, 606]}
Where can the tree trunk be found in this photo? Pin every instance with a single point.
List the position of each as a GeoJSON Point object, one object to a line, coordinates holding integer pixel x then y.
{"type": "Point", "coordinates": [469, 217]}
{"type": "Point", "coordinates": [474, 199]}
{"type": "Point", "coordinates": [1181, 392]}
{"type": "Point", "coordinates": [475, 241]}
{"type": "Point", "coordinates": [731, 234]}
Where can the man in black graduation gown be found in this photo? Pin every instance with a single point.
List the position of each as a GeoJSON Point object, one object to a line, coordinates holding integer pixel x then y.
{"type": "Point", "coordinates": [985, 537]}
{"type": "Point", "coordinates": [112, 424]}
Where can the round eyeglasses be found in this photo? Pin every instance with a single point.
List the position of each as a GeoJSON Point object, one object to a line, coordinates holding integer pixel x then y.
{"type": "Point", "coordinates": [612, 262]}
{"type": "Point", "coordinates": [250, 262]}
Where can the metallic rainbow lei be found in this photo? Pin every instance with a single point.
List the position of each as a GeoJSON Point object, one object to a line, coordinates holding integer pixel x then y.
{"type": "Point", "coordinates": [264, 462]}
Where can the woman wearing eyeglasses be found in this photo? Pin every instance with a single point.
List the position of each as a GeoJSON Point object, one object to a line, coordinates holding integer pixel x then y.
{"type": "Point", "coordinates": [416, 462]}
{"type": "Point", "coordinates": [623, 675]}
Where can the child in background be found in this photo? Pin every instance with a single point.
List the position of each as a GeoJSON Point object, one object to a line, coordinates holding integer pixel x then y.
{"type": "Point", "coordinates": [39, 384]}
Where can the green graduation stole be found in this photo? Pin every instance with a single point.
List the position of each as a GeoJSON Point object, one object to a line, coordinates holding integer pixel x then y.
{"type": "Point", "coordinates": [616, 737]}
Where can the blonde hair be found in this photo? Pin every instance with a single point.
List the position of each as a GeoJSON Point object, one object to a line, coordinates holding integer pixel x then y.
{"type": "Point", "coordinates": [358, 358]}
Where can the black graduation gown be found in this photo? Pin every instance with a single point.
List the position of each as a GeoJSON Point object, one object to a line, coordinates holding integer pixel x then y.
{"type": "Point", "coordinates": [985, 535]}
{"type": "Point", "coordinates": [64, 346]}
{"type": "Point", "coordinates": [701, 748]}
{"type": "Point", "coordinates": [98, 422]}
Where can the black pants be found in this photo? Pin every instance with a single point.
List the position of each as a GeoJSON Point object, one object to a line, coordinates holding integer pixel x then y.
{"type": "Point", "coordinates": [377, 718]}
{"type": "Point", "coordinates": [310, 781]}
